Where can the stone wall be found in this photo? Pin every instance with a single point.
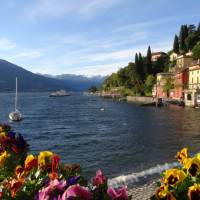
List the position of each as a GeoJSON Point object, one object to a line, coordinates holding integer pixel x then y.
{"type": "Point", "coordinates": [140, 100]}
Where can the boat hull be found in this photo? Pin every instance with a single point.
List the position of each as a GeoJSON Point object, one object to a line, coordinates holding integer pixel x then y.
{"type": "Point", "coordinates": [15, 116]}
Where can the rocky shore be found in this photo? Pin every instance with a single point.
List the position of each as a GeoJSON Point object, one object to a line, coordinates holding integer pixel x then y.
{"type": "Point", "coordinates": [143, 192]}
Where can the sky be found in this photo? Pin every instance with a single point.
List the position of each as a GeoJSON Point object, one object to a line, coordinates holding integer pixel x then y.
{"type": "Point", "coordinates": [88, 37]}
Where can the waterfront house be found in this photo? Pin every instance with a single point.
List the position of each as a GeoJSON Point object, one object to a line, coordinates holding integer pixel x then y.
{"type": "Point", "coordinates": [180, 80]}
{"type": "Point", "coordinates": [160, 82]}
{"type": "Point", "coordinates": [156, 55]}
{"type": "Point", "coordinates": [194, 85]}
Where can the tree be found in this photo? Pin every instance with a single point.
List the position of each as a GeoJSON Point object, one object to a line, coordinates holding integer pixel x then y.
{"type": "Point", "coordinates": [136, 63]}
{"type": "Point", "coordinates": [191, 40]}
{"type": "Point", "coordinates": [159, 65]}
{"type": "Point", "coordinates": [182, 37]}
{"type": "Point", "coordinates": [93, 89]}
{"type": "Point", "coordinates": [176, 45]}
{"type": "Point", "coordinates": [141, 67]}
{"type": "Point", "coordinates": [196, 51]}
{"type": "Point", "coordinates": [168, 85]}
{"type": "Point", "coordinates": [149, 83]}
{"type": "Point", "coordinates": [148, 68]}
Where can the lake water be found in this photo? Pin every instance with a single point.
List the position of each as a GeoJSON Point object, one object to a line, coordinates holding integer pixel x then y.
{"type": "Point", "coordinates": [121, 139]}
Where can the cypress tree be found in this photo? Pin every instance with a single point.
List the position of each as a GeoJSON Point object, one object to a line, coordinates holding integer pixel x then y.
{"type": "Point", "coordinates": [141, 67]}
{"type": "Point", "coordinates": [182, 39]}
{"type": "Point", "coordinates": [148, 69]}
{"type": "Point", "coordinates": [198, 32]}
{"type": "Point", "coordinates": [176, 44]}
{"type": "Point", "coordinates": [136, 60]}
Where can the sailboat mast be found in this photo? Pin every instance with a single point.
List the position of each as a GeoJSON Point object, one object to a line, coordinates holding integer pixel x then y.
{"type": "Point", "coordinates": [16, 95]}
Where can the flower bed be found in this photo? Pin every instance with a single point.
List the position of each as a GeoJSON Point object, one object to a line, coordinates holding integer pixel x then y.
{"type": "Point", "coordinates": [181, 183]}
{"type": "Point", "coordinates": [25, 176]}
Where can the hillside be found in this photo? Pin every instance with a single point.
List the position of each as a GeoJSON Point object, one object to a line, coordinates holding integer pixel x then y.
{"type": "Point", "coordinates": [139, 76]}
{"type": "Point", "coordinates": [28, 81]}
{"type": "Point", "coordinates": [79, 82]}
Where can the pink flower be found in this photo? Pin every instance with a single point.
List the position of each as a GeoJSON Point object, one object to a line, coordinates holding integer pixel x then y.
{"type": "Point", "coordinates": [76, 191]}
{"type": "Point", "coordinates": [46, 192]}
{"type": "Point", "coordinates": [120, 194]}
{"type": "Point", "coordinates": [99, 179]}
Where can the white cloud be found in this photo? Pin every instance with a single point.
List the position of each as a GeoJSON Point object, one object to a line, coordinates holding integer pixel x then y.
{"type": "Point", "coordinates": [28, 54]}
{"type": "Point", "coordinates": [6, 44]}
{"type": "Point", "coordinates": [84, 9]}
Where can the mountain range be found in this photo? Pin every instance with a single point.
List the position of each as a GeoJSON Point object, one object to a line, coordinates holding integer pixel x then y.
{"type": "Point", "coordinates": [29, 81]}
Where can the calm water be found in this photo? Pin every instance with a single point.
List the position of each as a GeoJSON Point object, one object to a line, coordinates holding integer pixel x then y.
{"type": "Point", "coordinates": [121, 139]}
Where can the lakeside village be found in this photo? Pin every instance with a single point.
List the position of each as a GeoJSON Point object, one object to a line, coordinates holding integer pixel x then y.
{"type": "Point", "coordinates": [172, 77]}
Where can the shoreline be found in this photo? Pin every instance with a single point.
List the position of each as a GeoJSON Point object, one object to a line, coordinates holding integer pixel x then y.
{"type": "Point", "coordinates": [143, 192]}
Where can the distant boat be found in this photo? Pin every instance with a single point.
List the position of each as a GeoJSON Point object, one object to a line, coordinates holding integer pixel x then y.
{"type": "Point", "coordinates": [60, 93]}
{"type": "Point", "coordinates": [16, 115]}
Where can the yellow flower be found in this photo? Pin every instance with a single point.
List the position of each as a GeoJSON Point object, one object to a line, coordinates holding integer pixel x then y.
{"type": "Point", "coordinates": [44, 157]}
{"type": "Point", "coordinates": [194, 192]}
{"type": "Point", "coordinates": [3, 157]}
{"type": "Point", "coordinates": [18, 170]}
{"type": "Point", "coordinates": [163, 193]}
{"type": "Point", "coordinates": [182, 155]}
{"type": "Point", "coordinates": [198, 156]}
{"type": "Point", "coordinates": [174, 176]}
{"type": "Point", "coordinates": [2, 134]}
{"type": "Point", "coordinates": [1, 129]}
{"type": "Point", "coordinates": [30, 162]}
{"type": "Point", "coordinates": [192, 165]}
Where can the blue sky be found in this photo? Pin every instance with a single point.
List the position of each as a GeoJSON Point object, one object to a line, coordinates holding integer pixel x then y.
{"type": "Point", "coordinates": [89, 37]}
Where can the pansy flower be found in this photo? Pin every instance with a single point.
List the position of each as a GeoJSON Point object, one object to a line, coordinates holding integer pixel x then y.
{"type": "Point", "coordinates": [194, 192]}
{"type": "Point", "coordinates": [174, 176]}
{"type": "Point", "coordinates": [192, 165]}
{"type": "Point", "coordinates": [164, 194]}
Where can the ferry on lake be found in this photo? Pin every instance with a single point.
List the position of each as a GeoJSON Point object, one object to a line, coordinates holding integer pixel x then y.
{"type": "Point", "coordinates": [60, 93]}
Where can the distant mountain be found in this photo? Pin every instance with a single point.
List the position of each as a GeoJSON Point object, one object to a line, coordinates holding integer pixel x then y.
{"type": "Point", "coordinates": [79, 82]}
{"type": "Point", "coordinates": [29, 81]}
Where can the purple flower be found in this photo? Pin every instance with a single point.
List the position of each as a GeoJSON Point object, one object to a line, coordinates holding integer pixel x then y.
{"type": "Point", "coordinates": [21, 143]}
{"type": "Point", "coordinates": [11, 134]}
{"type": "Point", "coordinates": [120, 194]}
{"type": "Point", "coordinates": [73, 180]}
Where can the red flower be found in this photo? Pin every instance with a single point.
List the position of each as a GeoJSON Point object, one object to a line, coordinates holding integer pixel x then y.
{"type": "Point", "coordinates": [55, 162]}
{"type": "Point", "coordinates": [30, 162]}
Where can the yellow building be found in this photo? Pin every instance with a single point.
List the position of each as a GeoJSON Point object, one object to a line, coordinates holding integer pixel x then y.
{"type": "Point", "coordinates": [173, 56]}
{"type": "Point", "coordinates": [184, 61]}
{"type": "Point", "coordinates": [193, 92]}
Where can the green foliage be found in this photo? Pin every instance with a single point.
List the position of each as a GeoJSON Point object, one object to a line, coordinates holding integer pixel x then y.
{"type": "Point", "coordinates": [149, 83]}
{"type": "Point", "coordinates": [176, 44]}
{"type": "Point", "coordinates": [93, 89]}
{"type": "Point", "coordinates": [168, 86]}
{"type": "Point", "coordinates": [148, 68]}
{"type": "Point", "coordinates": [182, 37]}
{"type": "Point", "coordinates": [133, 77]}
{"type": "Point", "coordinates": [196, 51]}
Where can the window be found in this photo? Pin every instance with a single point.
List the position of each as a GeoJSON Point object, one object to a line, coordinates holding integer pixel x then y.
{"type": "Point", "coordinates": [197, 79]}
{"type": "Point", "coordinates": [192, 80]}
{"type": "Point", "coordinates": [189, 97]}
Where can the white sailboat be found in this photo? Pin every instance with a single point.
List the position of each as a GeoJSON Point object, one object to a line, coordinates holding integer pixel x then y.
{"type": "Point", "coordinates": [16, 115]}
